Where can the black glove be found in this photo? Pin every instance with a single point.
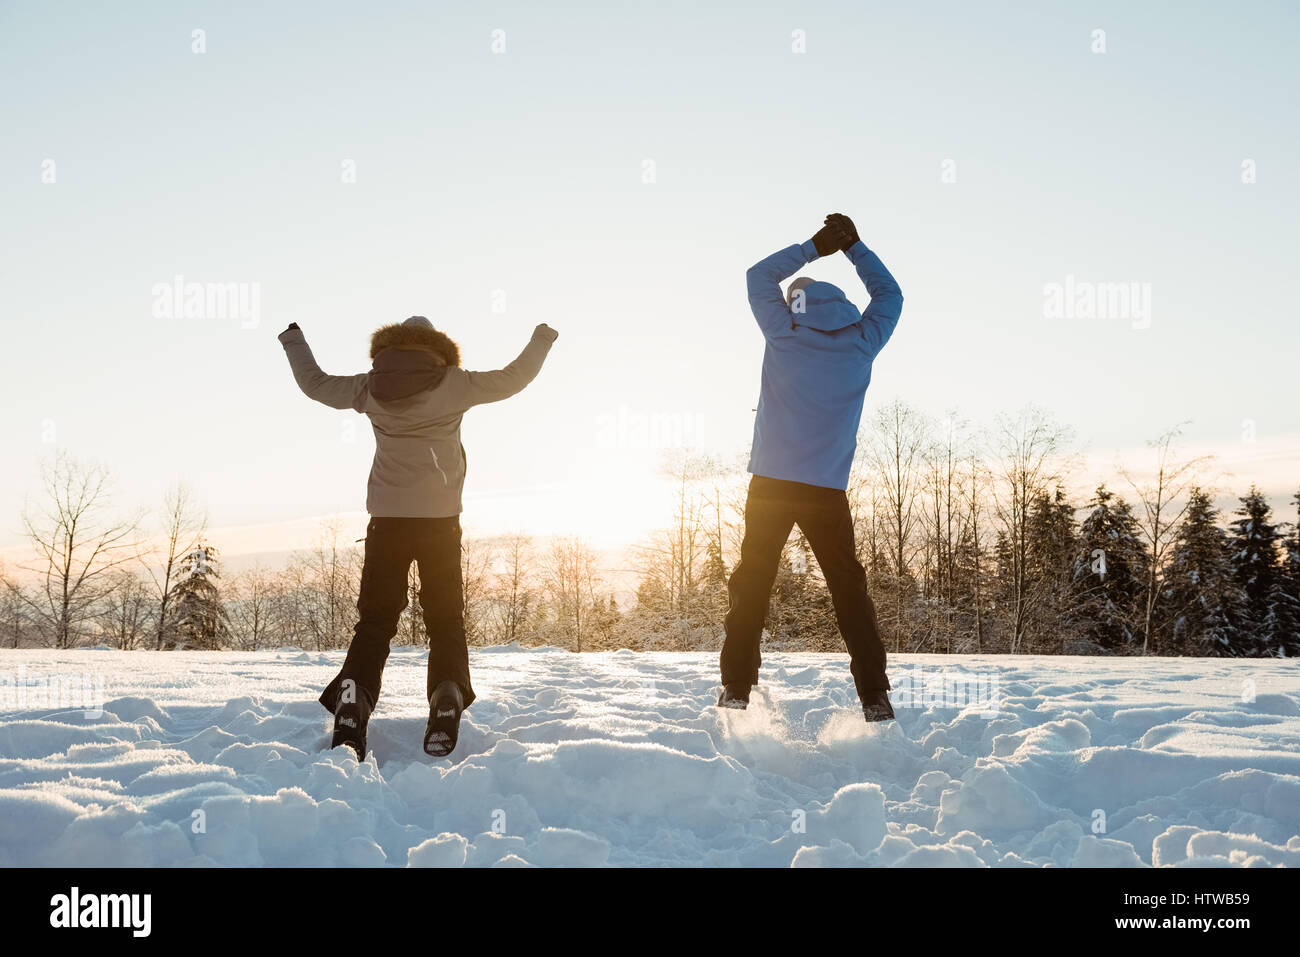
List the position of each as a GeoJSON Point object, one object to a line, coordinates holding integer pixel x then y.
{"type": "Point", "coordinates": [292, 325]}
{"type": "Point", "coordinates": [846, 226]}
{"type": "Point", "coordinates": [828, 239]}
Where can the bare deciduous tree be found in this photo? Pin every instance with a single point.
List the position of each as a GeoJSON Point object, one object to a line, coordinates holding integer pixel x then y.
{"type": "Point", "coordinates": [126, 610]}
{"type": "Point", "coordinates": [290, 597]}
{"type": "Point", "coordinates": [78, 543]}
{"type": "Point", "coordinates": [183, 527]}
{"type": "Point", "coordinates": [571, 579]}
{"type": "Point", "coordinates": [1029, 447]}
{"type": "Point", "coordinates": [15, 611]}
{"type": "Point", "coordinates": [476, 557]}
{"type": "Point", "coordinates": [251, 601]}
{"type": "Point", "coordinates": [684, 543]}
{"type": "Point", "coordinates": [683, 567]}
{"type": "Point", "coordinates": [974, 484]}
{"type": "Point", "coordinates": [1164, 498]}
{"type": "Point", "coordinates": [896, 454]}
{"type": "Point", "coordinates": [943, 520]}
{"type": "Point", "coordinates": [325, 580]}
{"type": "Point", "coordinates": [514, 595]}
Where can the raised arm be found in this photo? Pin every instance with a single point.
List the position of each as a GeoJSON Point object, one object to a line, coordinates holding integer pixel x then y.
{"type": "Point", "coordinates": [336, 391]}
{"type": "Point", "coordinates": [503, 383]}
{"type": "Point", "coordinates": [886, 304]}
{"type": "Point", "coordinates": [764, 279]}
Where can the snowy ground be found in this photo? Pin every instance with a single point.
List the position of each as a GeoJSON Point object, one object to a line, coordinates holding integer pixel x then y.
{"type": "Point", "coordinates": [621, 759]}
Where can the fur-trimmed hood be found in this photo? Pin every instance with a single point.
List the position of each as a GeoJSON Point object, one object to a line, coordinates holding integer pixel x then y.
{"type": "Point", "coordinates": [400, 335]}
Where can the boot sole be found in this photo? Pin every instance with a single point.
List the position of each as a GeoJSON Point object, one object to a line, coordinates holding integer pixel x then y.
{"type": "Point", "coordinates": [440, 737]}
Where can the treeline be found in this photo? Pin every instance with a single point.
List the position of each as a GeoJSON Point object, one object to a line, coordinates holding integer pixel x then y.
{"type": "Point", "coordinates": [155, 582]}
{"type": "Point", "coordinates": [971, 541]}
{"type": "Point", "coordinates": [95, 581]}
{"type": "Point", "coordinates": [973, 544]}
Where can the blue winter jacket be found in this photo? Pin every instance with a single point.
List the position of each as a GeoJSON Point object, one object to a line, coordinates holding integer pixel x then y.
{"type": "Point", "coordinates": [816, 365]}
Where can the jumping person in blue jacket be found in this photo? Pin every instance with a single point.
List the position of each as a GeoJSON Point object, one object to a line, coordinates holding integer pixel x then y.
{"type": "Point", "coordinates": [816, 368]}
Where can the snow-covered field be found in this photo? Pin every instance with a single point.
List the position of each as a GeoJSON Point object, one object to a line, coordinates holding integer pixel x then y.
{"type": "Point", "coordinates": [621, 759]}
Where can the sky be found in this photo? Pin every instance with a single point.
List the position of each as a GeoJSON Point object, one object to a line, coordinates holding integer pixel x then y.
{"type": "Point", "coordinates": [612, 170]}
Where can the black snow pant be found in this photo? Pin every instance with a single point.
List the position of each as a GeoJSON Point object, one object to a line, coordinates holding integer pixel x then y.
{"type": "Point", "coordinates": [772, 509]}
{"type": "Point", "coordinates": [391, 545]}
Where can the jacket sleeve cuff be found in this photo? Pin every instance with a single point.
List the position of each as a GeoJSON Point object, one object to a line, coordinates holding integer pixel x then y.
{"type": "Point", "coordinates": [855, 251]}
{"type": "Point", "coordinates": [809, 250]}
{"type": "Point", "coordinates": [291, 335]}
{"type": "Point", "coordinates": [546, 335]}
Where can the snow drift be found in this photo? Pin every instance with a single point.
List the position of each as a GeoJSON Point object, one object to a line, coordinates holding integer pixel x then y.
{"type": "Point", "coordinates": [621, 759]}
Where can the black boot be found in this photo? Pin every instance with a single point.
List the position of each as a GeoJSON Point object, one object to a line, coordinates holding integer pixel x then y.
{"type": "Point", "coordinates": [876, 707]}
{"type": "Point", "coordinates": [350, 720]}
{"type": "Point", "coordinates": [445, 708]}
{"type": "Point", "coordinates": [734, 696]}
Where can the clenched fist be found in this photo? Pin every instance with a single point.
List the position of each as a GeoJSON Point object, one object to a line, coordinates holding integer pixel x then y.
{"type": "Point", "coordinates": [846, 226]}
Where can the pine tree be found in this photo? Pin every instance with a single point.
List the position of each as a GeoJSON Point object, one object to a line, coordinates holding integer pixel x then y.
{"type": "Point", "coordinates": [1053, 544]}
{"type": "Point", "coordinates": [604, 618]}
{"type": "Point", "coordinates": [801, 614]}
{"type": "Point", "coordinates": [715, 569]}
{"type": "Point", "coordinates": [199, 616]}
{"type": "Point", "coordinates": [971, 586]}
{"type": "Point", "coordinates": [1288, 610]}
{"type": "Point", "coordinates": [1109, 572]}
{"type": "Point", "coordinates": [1258, 572]}
{"type": "Point", "coordinates": [1200, 594]}
{"type": "Point", "coordinates": [713, 586]}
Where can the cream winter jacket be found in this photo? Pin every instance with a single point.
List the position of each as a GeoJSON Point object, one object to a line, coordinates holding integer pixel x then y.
{"type": "Point", "coordinates": [419, 464]}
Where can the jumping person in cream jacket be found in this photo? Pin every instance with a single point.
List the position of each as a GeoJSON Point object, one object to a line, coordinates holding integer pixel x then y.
{"type": "Point", "coordinates": [414, 395]}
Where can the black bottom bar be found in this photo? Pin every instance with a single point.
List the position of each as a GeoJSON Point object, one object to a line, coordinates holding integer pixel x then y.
{"type": "Point", "coordinates": [931, 907]}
